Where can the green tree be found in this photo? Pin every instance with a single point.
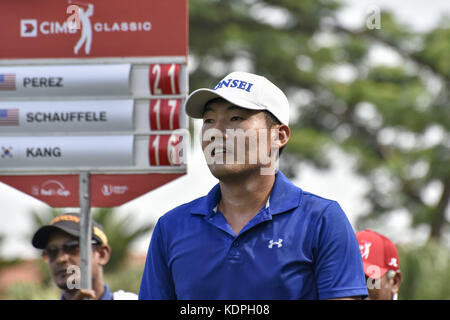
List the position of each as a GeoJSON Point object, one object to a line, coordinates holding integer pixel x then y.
{"type": "Point", "coordinates": [120, 231]}
{"type": "Point", "coordinates": [425, 271]}
{"type": "Point", "coordinates": [5, 262]}
{"type": "Point", "coordinates": [394, 120]}
{"type": "Point", "coordinates": [2, 241]}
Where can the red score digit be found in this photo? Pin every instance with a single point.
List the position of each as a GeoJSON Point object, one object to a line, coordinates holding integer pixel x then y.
{"type": "Point", "coordinates": [164, 79]}
{"type": "Point", "coordinates": [165, 150]}
{"type": "Point", "coordinates": [164, 114]}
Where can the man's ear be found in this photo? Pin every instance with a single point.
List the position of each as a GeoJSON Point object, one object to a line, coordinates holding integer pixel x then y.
{"type": "Point", "coordinates": [284, 133]}
{"type": "Point", "coordinates": [104, 253]}
{"type": "Point", "coordinates": [396, 282]}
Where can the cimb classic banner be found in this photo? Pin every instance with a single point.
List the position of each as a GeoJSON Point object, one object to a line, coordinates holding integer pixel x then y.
{"type": "Point", "coordinates": [93, 28]}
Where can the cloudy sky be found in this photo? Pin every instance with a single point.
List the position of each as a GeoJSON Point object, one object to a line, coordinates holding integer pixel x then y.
{"type": "Point", "coordinates": [338, 184]}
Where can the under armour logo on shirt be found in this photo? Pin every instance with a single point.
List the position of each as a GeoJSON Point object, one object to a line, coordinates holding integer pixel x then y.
{"type": "Point", "coordinates": [278, 243]}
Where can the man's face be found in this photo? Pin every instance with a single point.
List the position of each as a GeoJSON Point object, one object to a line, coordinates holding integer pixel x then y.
{"type": "Point", "coordinates": [237, 139]}
{"type": "Point", "coordinates": [61, 261]}
{"type": "Point", "coordinates": [385, 290]}
{"type": "Point", "coordinates": [63, 251]}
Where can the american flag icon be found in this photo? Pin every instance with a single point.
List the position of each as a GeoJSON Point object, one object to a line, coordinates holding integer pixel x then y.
{"type": "Point", "coordinates": [9, 117]}
{"type": "Point", "coordinates": [7, 81]}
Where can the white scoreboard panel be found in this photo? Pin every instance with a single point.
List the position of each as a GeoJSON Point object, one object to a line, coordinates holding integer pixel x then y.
{"type": "Point", "coordinates": [98, 117]}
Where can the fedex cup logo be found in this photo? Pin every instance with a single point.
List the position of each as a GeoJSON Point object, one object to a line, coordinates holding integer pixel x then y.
{"type": "Point", "coordinates": [50, 188]}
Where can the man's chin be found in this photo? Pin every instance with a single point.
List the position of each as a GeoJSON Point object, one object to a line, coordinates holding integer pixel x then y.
{"type": "Point", "coordinates": [62, 281]}
{"type": "Point", "coordinates": [228, 171]}
{"type": "Point", "coordinates": [62, 285]}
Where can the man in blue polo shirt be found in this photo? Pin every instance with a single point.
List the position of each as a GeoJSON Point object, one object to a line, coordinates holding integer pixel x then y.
{"type": "Point", "coordinates": [255, 235]}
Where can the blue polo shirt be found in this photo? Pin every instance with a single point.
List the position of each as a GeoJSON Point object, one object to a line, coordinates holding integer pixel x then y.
{"type": "Point", "coordinates": [299, 246]}
{"type": "Point", "coordinates": [107, 294]}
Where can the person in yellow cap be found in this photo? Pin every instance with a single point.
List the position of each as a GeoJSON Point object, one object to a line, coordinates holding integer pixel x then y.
{"type": "Point", "coordinates": [381, 265]}
{"type": "Point", "coordinates": [61, 250]}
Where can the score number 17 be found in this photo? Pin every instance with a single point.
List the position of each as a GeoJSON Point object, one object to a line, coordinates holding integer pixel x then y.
{"type": "Point", "coordinates": [165, 114]}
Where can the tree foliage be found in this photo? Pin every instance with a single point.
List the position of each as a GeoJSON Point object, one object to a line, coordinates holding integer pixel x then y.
{"type": "Point", "coordinates": [425, 271]}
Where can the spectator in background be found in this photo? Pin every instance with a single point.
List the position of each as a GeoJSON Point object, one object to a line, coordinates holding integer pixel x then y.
{"type": "Point", "coordinates": [61, 250]}
{"type": "Point", "coordinates": [381, 265]}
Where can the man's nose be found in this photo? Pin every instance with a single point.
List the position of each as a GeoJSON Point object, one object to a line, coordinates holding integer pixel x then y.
{"type": "Point", "coordinates": [222, 125]}
{"type": "Point", "coordinates": [62, 256]}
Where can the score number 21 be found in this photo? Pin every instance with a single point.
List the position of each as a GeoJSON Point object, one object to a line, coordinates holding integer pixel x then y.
{"type": "Point", "coordinates": [164, 79]}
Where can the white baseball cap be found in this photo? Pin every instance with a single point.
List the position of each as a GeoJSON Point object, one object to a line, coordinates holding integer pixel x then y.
{"type": "Point", "coordinates": [243, 89]}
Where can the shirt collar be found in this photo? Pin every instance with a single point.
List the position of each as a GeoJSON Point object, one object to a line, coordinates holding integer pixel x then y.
{"type": "Point", "coordinates": [283, 197]}
{"type": "Point", "coordinates": [107, 294]}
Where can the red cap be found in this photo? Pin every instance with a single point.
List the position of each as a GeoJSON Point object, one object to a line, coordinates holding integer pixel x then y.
{"type": "Point", "coordinates": [378, 253]}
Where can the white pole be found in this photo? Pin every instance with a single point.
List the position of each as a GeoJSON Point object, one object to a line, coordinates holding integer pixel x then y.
{"type": "Point", "coordinates": [85, 232]}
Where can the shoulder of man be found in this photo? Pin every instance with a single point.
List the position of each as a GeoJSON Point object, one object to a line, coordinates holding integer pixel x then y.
{"type": "Point", "coordinates": [122, 295]}
{"type": "Point", "coordinates": [182, 210]}
{"type": "Point", "coordinates": [315, 203]}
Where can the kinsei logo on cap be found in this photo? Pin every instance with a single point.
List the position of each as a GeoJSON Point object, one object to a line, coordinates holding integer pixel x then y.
{"type": "Point", "coordinates": [234, 83]}
{"type": "Point", "coordinates": [245, 90]}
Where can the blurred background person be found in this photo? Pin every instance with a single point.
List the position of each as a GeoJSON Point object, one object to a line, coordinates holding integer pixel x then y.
{"type": "Point", "coordinates": [61, 250]}
{"type": "Point", "coordinates": [381, 265]}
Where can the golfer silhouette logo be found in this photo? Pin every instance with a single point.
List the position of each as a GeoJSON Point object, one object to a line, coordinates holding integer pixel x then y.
{"type": "Point", "coordinates": [86, 28]}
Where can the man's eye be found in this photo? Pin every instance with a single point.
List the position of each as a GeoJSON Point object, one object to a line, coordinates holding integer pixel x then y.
{"type": "Point", "coordinates": [52, 250]}
{"type": "Point", "coordinates": [207, 120]}
{"type": "Point", "coordinates": [236, 118]}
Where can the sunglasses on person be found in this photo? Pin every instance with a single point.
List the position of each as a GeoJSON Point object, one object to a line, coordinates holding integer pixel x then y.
{"type": "Point", "coordinates": [70, 247]}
